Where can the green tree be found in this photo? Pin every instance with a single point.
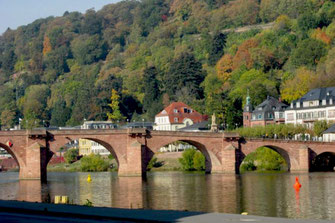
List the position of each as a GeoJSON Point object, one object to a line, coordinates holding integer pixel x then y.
{"type": "Point", "coordinates": [71, 155]}
{"type": "Point", "coordinates": [60, 114]}
{"type": "Point", "coordinates": [199, 161]}
{"type": "Point", "coordinates": [216, 50]}
{"type": "Point", "coordinates": [115, 115]}
{"type": "Point", "coordinates": [319, 127]}
{"type": "Point", "coordinates": [88, 49]}
{"type": "Point", "coordinates": [263, 159]}
{"type": "Point", "coordinates": [187, 160]}
{"type": "Point", "coordinates": [258, 83]}
{"type": "Point", "coordinates": [184, 71]}
{"type": "Point", "coordinates": [308, 53]}
{"type": "Point", "coordinates": [93, 163]}
{"type": "Point", "coordinates": [151, 100]}
{"type": "Point", "coordinates": [35, 105]}
{"type": "Point", "coordinates": [8, 118]}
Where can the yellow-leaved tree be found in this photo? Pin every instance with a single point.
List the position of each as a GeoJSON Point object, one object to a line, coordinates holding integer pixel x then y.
{"type": "Point", "coordinates": [115, 115]}
{"type": "Point", "coordinates": [46, 45]}
{"type": "Point", "coordinates": [299, 85]}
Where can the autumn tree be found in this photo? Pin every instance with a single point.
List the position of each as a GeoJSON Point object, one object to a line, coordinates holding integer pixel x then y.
{"type": "Point", "coordinates": [46, 45]}
{"type": "Point", "coordinates": [299, 85]}
{"type": "Point", "coordinates": [243, 54]}
{"type": "Point", "coordinates": [115, 115]}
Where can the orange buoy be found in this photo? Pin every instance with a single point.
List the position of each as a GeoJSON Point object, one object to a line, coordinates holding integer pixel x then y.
{"type": "Point", "coordinates": [297, 185]}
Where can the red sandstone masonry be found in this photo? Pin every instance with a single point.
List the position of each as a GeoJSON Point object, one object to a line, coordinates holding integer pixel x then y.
{"type": "Point", "coordinates": [134, 148]}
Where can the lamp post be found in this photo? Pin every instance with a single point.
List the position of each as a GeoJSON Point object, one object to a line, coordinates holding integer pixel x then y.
{"type": "Point", "coordinates": [142, 122]}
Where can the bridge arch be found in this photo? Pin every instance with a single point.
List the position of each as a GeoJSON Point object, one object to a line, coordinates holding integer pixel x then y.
{"type": "Point", "coordinates": [211, 160]}
{"type": "Point", "coordinates": [324, 161]}
{"type": "Point", "coordinates": [284, 153]}
{"type": "Point", "coordinates": [110, 146]}
{"type": "Point", "coordinates": [14, 154]}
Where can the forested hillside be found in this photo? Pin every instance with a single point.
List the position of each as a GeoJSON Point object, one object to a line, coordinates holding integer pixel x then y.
{"type": "Point", "coordinates": [62, 69]}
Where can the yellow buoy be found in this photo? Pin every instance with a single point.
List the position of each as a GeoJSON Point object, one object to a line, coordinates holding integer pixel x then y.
{"type": "Point", "coordinates": [89, 178]}
{"type": "Point", "coordinates": [244, 213]}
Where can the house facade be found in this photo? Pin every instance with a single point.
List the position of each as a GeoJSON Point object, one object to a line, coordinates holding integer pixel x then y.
{"type": "Point", "coordinates": [270, 111]}
{"type": "Point", "coordinates": [87, 147]}
{"type": "Point", "coordinates": [317, 104]}
{"type": "Point", "coordinates": [177, 115]}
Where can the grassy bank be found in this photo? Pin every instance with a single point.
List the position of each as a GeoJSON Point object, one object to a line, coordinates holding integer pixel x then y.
{"type": "Point", "coordinates": [168, 162]}
{"type": "Point", "coordinates": [77, 166]}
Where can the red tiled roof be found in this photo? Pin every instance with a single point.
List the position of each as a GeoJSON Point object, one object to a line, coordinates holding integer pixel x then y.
{"type": "Point", "coordinates": [183, 111]}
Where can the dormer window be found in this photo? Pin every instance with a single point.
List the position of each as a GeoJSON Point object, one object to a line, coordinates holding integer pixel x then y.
{"type": "Point", "coordinates": [175, 110]}
{"type": "Point", "coordinates": [324, 102]}
{"type": "Point", "coordinates": [274, 108]}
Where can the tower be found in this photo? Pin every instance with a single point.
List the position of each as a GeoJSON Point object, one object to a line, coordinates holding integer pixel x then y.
{"type": "Point", "coordinates": [247, 112]}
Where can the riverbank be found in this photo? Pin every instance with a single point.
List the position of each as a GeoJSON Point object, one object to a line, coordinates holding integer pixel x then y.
{"type": "Point", "coordinates": [166, 161]}
{"type": "Point", "coordinates": [83, 214]}
{"type": "Point", "coordinates": [76, 166]}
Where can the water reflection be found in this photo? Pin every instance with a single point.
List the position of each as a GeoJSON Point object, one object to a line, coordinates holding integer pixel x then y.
{"type": "Point", "coordinates": [257, 194]}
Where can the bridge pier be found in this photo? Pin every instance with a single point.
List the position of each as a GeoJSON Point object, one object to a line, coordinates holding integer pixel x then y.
{"type": "Point", "coordinates": [302, 163]}
{"type": "Point", "coordinates": [35, 165]}
{"type": "Point", "coordinates": [133, 165]}
{"type": "Point", "coordinates": [229, 161]}
{"type": "Point", "coordinates": [31, 169]}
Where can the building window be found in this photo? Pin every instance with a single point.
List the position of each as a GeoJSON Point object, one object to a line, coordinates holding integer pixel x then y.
{"type": "Point", "coordinates": [175, 110]}
{"type": "Point", "coordinates": [290, 116]}
{"type": "Point", "coordinates": [259, 116]}
{"type": "Point", "coordinates": [331, 114]}
{"type": "Point", "coordinates": [270, 115]}
{"type": "Point", "coordinates": [175, 119]}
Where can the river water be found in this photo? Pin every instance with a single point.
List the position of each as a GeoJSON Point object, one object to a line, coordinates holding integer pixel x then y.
{"type": "Point", "coordinates": [255, 193]}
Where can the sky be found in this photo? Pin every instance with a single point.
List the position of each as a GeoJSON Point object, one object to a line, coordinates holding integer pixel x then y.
{"type": "Point", "coordinates": [14, 13]}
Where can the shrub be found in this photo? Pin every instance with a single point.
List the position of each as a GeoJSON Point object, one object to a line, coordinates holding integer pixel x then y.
{"type": "Point", "coordinates": [263, 159]}
{"type": "Point", "coordinates": [192, 160]}
{"type": "Point", "coordinates": [151, 163]}
{"type": "Point", "coordinates": [93, 163]}
{"type": "Point", "coordinates": [199, 161]}
{"type": "Point", "coordinates": [71, 155]}
{"type": "Point", "coordinates": [187, 159]}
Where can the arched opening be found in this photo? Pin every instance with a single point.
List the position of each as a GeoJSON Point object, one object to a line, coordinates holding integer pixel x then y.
{"type": "Point", "coordinates": [266, 158]}
{"type": "Point", "coordinates": [8, 160]}
{"type": "Point", "coordinates": [168, 156]}
{"type": "Point", "coordinates": [84, 154]}
{"type": "Point", "coordinates": [323, 162]}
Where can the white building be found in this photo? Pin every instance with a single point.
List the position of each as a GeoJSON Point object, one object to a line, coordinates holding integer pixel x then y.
{"type": "Point", "coordinates": [317, 104]}
{"type": "Point", "coordinates": [329, 134]}
{"type": "Point", "coordinates": [86, 146]}
{"type": "Point", "coordinates": [175, 116]}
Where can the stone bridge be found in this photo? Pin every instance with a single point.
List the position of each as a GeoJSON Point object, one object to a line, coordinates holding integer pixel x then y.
{"type": "Point", "coordinates": [133, 148]}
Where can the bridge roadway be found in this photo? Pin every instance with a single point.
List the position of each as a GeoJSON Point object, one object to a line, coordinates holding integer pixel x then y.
{"type": "Point", "coordinates": [133, 148]}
